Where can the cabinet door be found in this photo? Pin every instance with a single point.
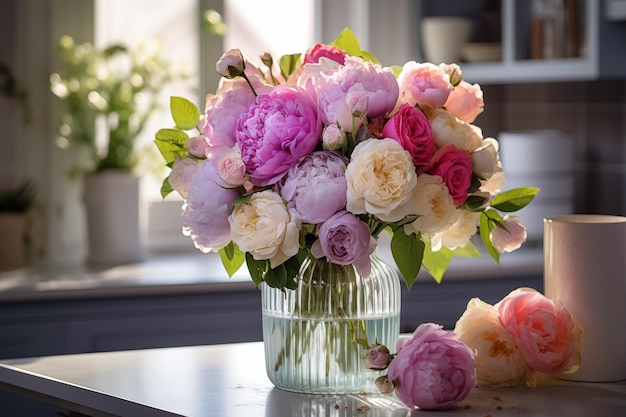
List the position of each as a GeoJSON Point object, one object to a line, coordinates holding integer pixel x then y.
{"type": "Point", "coordinates": [31, 339]}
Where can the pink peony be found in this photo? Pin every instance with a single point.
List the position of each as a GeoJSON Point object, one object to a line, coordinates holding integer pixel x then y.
{"type": "Point", "coordinates": [206, 210]}
{"type": "Point", "coordinates": [425, 84]}
{"type": "Point", "coordinates": [411, 128]}
{"type": "Point", "coordinates": [543, 330]}
{"type": "Point", "coordinates": [319, 50]}
{"type": "Point", "coordinates": [433, 369]}
{"type": "Point", "coordinates": [455, 167]}
{"type": "Point", "coordinates": [315, 187]}
{"type": "Point", "coordinates": [344, 240]}
{"type": "Point", "coordinates": [466, 101]}
{"type": "Point", "coordinates": [509, 234]}
{"type": "Point", "coordinates": [278, 129]}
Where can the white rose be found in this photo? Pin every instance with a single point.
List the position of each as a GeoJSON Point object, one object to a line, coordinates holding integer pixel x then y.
{"type": "Point", "coordinates": [433, 204]}
{"type": "Point", "coordinates": [498, 360]}
{"type": "Point", "coordinates": [449, 129]}
{"type": "Point", "coordinates": [486, 160]}
{"type": "Point", "coordinates": [381, 178]}
{"type": "Point", "coordinates": [459, 234]}
{"type": "Point", "coordinates": [182, 172]}
{"type": "Point", "coordinates": [265, 228]}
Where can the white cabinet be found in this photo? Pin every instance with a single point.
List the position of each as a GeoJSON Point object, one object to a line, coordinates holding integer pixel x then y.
{"type": "Point", "coordinates": [603, 45]}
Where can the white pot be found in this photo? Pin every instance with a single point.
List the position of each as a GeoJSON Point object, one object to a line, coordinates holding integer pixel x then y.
{"type": "Point", "coordinates": [113, 218]}
{"type": "Point", "coordinates": [443, 37]}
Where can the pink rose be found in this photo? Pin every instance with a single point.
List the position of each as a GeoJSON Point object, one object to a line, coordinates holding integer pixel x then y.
{"type": "Point", "coordinates": [377, 358]}
{"type": "Point", "coordinates": [197, 146]}
{"type": "Point", "coordinates": [182, 172]}
{"type": "Point", "coordinates": [465, 101]}
{"type": "Point", "coordinates": [433, 369]}
{"type": "Point", "coordinates": [231, 168]}
{"type": "Point", "coordinates": [320, 50]}
{"type": "Point", "coordinates": [455, 167]}
{"type": "Point", "coordinates": [543, 330]}
{"type": "Point", "coordinates": [509, 234]}
{"type": "Point", "coordinates": [425, 84]}
{"type": "Point", "coordinates": [411, 128]}
{"type": "Point", "coordinates": [276, 131]}
{"type": "Point", "coordinates": [344, 240]}
{"type": "Point", "coordinates": [231, 64]}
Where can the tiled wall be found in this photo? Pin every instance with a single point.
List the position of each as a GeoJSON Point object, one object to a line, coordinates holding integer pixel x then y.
{"type": "Point", "coordinates": [592, 113]}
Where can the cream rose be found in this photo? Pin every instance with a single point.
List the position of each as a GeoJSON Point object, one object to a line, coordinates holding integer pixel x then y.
{"type": "Point", "coordinates": [449, 129]}
{"type": "Point", "coordinates": [493, 185]}
{"type": "Point", "coordinates": [265, 228]}
{"type": "Point", "coordinates": [486, 160]}
{"type": "Point", "coordinates": [433, 203]}
{"type": "Point", "coordinates": [381, 179]}
{"type": "Point", "coordinates": [498, 360]}
{"type": "Point", "coordinates": [459, 234]}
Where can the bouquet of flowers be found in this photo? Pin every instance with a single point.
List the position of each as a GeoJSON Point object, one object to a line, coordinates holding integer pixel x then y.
{"type": "Point", "coordinates": [313, 156]}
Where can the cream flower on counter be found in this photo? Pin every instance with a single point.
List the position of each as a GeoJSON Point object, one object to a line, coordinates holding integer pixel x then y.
{"type": "Point", "coordinates": [498, 360]}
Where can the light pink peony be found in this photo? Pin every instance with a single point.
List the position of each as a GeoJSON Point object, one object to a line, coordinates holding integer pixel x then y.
{"type": "Point", "coordinates": [351, 86]}
{"type": "Point", "coordinates": [425, 84]}
{"type": "Point", "coordinates": [543, 330]}
{"type": "Point", "coordinates": [278, 129]}
{"type": "Point", "coordinates": [433, 369]}
{"type": "Point", "coordinates": [411, 128]}
{"type": "Point", "coordinates": [455, 167]}
{"type": "Point", "coordinates": [509, 234]}
{"type": "Point", "coordinates": [466, 101]}
{"type": "Point", "coordinates": [206, 210]}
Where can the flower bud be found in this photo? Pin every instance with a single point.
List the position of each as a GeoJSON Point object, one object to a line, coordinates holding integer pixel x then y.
{"type": "Point", "coordinates": [384, 385]}
{"type": "Point", "coordinates": [509, 234]}
{"type": "Point", "coordinates": [332, 137]}
{"type": "Point", "coordinates": [377, 357]}
{"type": "Point", "coordinates": [231, 64]}
{"type": "Point", "coordinates": [454, 71]}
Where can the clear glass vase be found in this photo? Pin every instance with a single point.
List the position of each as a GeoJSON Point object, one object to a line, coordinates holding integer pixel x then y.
{"type": "Point", "coordinates": [315, 337]}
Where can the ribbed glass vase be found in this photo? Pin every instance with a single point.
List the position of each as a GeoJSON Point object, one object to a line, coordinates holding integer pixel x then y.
{"type": "Point", "coordinates": [315, 336]}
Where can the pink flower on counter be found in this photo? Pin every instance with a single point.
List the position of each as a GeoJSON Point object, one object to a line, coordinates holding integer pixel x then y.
{"type": "Point", "coordinates": [509, 234]}
{"type": "Point", "coordinates": [544, 331]}
{"type": "Point", "coordinates": [411, 128]}
{"type": "Point", "coordinates": [455, 167]}
{"type": "Point", "coordinates": [433, 369]}
{"type": "Point", "coordinates": [466, 101]}
{"type": "Point", "coordinates": [320, 50]}
{"type": "Point", "coordinates": [278, 129]}
{"type": "Point", "coordinates": [424, 84]}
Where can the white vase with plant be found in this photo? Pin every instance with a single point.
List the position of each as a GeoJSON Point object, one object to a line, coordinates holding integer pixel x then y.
{"type": "Point", "coordinates": [108, 96]}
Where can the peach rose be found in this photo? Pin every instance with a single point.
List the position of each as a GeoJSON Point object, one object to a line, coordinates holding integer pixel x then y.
{"type": "Point", "coordinates": [449, 129]}
{"type": "Point", "coordinates": [465, 101]}
{"type": "Point", "coordinates": [543, 330]}
{"type": "Point", "coordinates": [498, 360]}
{"type": "Point", "coordinates": [423, 83]}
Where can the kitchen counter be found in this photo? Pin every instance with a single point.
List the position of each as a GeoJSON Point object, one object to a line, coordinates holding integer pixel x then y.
{"type": "Point", "coordinates": [230, 380]}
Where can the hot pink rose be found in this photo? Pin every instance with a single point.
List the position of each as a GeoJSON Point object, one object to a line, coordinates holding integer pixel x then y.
{"type": "Point", "coordinates": [455, 167]}
{"type": "Point", "coordinates": [433, 369]}
{"type": "Point", "coordinates": [425, 84]}
{"type": "Point", "coordinates": [466, 101]}
{"type": "Point", "coordinates": [543, 329]}
{"type": "Point", "coordinates": [320, 50]}
{"type": "Point", "coordinates": [278, 129]}
{"type": "Point", "coordinates": [411, 128]}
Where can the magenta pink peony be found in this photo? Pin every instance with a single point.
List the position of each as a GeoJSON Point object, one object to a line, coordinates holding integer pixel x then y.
{"type": "Point", "coordinates": [433, 369]}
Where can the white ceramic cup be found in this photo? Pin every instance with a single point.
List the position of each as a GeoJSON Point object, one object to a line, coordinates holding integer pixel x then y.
{"type": "Point", "coordinates": [585, 267]}
{"type": "Point", "coordinates": [443, 37]}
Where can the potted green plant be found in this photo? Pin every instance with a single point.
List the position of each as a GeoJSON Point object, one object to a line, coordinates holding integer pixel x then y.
{"type": "Point", "coordinates": [14, 205]}
{"type": "Point", "coordinates": [107, 96]}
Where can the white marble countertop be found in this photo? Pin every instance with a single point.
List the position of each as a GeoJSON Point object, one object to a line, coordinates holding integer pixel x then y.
{"type": "Point", "coordinates": [194, 271]}
{"type": "Point", "coordinates": [229, 380]}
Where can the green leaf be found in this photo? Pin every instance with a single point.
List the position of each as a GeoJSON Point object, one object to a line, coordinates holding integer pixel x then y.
{"type": "Point", "coordinates": [172, 144]}
{"type": "Point", "coordinates": [348, 42]}
{"type": "Point", "coordinates": [288, 64]}
{"type": "Point", "coordinates": [515, 199]}
{"type": "Point", "coordinates": [256, 268]}
{"type": "Point", "coordinates": [436, 262]}
{"type": "Point", "coordinates": [486, 226]}
{"type": "Point", "coordinates": [276, 277]}
{"type": "Point", "coordinates": [166, 188]}
{"type": "Point", "coordinates": [244, 199]}
{"type": "Point", "coordinates": [467, 251]}
{"type": "Point", "coordinates": [408, 252]}
{"type": "Point", "coordinates": [184, 113]}
{"type": "Point", "coordinates": [232, 258]}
